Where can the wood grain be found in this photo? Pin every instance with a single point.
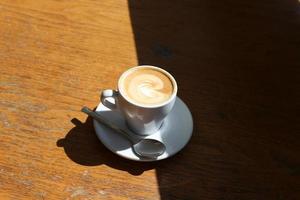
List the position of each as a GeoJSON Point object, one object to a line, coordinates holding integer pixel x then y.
{"type": "Point", "coordinates": [55, 57]}
{"type": "Point", "coordinates": [237, 65]}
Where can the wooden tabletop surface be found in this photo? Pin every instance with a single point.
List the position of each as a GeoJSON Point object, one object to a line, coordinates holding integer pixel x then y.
{"type": "Point", "coordinates": [237, 64]}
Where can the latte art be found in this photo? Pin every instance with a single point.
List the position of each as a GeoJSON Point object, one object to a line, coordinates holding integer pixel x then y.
{"type": "Point", "coordinates": [148, 86]}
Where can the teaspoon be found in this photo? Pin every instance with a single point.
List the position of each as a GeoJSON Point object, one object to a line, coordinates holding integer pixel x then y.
{"type": "Point", "coordinates": [147, 148]}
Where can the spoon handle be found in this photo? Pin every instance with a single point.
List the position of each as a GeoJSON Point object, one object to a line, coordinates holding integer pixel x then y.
{"type": "Point", "coordinates": [107, 123]}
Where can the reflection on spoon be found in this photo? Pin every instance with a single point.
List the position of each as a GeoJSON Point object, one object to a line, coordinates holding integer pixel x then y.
{"type": "Point", "coordinates": [146, 148]}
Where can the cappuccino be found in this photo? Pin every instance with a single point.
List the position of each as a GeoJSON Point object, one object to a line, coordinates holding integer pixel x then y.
{"type": "Point", "coordinates": [147, 86]}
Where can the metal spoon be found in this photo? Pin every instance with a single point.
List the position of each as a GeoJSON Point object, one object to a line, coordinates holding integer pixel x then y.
{"type": "Point", "coordinates": [147, 148]}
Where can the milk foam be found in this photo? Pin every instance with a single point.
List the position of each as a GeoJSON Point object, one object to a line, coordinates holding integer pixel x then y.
{"type": "Point", "coordinates": [148, 87]}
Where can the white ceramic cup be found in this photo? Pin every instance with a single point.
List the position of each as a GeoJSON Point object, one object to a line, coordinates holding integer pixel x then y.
{"type": "Point", "coordinates": [141, 119]}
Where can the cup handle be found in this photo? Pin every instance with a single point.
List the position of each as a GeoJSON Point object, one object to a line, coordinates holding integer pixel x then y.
{"type": "Point", "coordinates": [109, 94]}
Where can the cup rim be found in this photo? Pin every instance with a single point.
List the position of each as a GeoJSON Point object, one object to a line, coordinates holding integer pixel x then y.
{"type": "Point", "coordinates": [123, 75]}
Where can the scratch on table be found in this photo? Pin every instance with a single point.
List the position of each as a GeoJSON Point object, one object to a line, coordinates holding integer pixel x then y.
{"type": "Point", "coordinates": [4, 120]}
{"type": "Point", "coordinates": [102, 192]}
{"type": "Point", "coordinates": [35, 107]}
{"type": "Point", "coordinates": [25, 106]}
{"type": "Point", "coordinates": [86, 176]}
{"type": "Point", "coordinates": [26, 183]}
{"type": "Point", "coordinates": [77, 191]}
{"type": "Point", "coordinates": [8, 87]}
{"type": "Point", "coordinates": [33, 125]}
{"type": "Point", "coordinates": [41, 195]}
{"type": "Point", "coordinates": [56, 177]}
{"type": "Point", "coordinates": [6, 172]}
{"type": "Point", "coordinates": [8, 84]}
{"type": "Point", "coordinates": [85, 173]}
{"type": "Point", "coordinates": [72, 81]}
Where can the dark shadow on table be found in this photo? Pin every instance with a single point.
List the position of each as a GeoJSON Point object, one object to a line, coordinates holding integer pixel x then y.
{"type": "Point", "coordinates": [237, 66]}
{"type": "Point", "coordinates": [82, 146]}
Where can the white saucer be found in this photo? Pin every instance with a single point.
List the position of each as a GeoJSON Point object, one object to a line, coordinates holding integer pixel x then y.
{"type": "Point", "coordinates": [175, 132]}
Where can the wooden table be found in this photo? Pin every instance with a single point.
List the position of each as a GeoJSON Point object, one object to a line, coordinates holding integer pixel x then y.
{"type": "Point", "coordinates": [237, 64]}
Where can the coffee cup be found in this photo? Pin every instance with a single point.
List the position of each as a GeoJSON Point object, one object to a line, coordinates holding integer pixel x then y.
{"type": "Point", "coordinates": [145, 96]}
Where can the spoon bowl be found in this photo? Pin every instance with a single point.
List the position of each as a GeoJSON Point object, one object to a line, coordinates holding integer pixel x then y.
{"type": "Point", "coordinates": [149, 148]}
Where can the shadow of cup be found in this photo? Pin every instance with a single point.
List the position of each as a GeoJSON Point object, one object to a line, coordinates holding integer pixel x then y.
{"type": "Point", "coordinates": [82, 146]}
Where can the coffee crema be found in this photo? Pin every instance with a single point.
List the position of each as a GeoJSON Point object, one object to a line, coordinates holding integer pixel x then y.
{"type": "Point", "coordinates": [147, 86]}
